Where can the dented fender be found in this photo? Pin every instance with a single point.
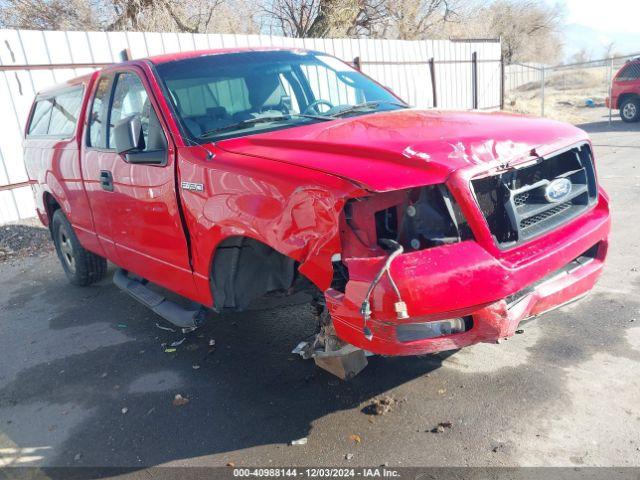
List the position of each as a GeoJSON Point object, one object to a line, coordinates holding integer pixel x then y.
{"type": "Point", "coordinates": [294, 211]}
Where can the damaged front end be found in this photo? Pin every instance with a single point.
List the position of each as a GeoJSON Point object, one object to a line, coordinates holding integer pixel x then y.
{"type": "Point", "coordinates": [383, 227]}
{"type": "Point", "coordinates": [435, 241]}
{"type": "Point", "coordinates": [423, 270]}
{"type": "Point", "coordinates": [396, 222]}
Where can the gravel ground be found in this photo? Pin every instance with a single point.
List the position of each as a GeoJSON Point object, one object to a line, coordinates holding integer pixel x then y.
{"type": "Point", "coordinates": [27, 238]}
{"type": "Point", "coordinates": [85, 381]}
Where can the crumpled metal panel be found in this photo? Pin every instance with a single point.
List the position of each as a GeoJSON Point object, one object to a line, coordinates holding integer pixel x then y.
{"type": "Point", "coordinates": [465, 280]}
{"type": "Point", "coordinates": [407, 148]}
{"type": "Point", "coordinates": [293, 210]}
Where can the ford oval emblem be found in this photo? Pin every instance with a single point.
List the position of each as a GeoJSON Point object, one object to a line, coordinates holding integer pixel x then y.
{"type": "Point", "coordinates": [557, 190]}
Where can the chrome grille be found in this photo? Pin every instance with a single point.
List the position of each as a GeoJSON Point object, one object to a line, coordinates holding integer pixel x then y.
{"type": "Point", "coordinates": [516, 203]}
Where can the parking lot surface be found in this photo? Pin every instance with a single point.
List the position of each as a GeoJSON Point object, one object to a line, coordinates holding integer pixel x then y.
{"type": "Point", "coordinates": [85, 381]}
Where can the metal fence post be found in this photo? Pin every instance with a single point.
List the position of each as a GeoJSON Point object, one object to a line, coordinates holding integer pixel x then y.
{"type": "Point", "coordinates": [610, 80]}
{"type": "Point", "coordinates": [125, 55]}
{"type": "Point", "coordinates": [542, 92]}
{"type": "Point", "coordinates": [432, 71]}
{"type": "Point", "coordinates": [502, 81]}
{"type": "Point", "coordinates": [474, 80]}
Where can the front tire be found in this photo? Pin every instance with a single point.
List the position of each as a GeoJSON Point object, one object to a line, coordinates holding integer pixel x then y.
{"type": "Point", "coordinates": [630, 110]}
{"type": "Point", "coordinates": [80, 265]}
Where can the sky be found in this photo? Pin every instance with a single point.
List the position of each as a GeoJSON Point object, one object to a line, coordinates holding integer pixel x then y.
{"type": "Point", "coordinates": [592, 24]}
{"type": "Point", "coordinates": [607, 16]}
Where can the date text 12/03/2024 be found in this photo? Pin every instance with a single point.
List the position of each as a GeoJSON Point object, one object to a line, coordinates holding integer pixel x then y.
{"type": "Point", "coordinates": [375, 472]}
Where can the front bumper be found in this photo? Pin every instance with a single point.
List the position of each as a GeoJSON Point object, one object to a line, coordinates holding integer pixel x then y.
{"type": "Point", "coordinates": [468, 280]}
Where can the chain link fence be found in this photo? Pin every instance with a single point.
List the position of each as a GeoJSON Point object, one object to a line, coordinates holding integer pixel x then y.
{"type": "Point", "coordinates": [573, 92]}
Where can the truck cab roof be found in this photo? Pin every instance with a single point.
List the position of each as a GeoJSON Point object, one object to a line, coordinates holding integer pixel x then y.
{"type": "Point", "coordinates": [158, 60]}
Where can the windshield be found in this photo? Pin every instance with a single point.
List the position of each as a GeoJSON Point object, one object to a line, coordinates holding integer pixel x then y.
{"type": "Point", "coordinates": [231, 95]}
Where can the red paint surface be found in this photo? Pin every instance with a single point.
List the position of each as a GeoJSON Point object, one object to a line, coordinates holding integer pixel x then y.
{"type": "Point", "coordinates": [287, 189]}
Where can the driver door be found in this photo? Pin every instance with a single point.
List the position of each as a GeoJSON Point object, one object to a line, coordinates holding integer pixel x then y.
{"type": "Point", "coordinates": [139, 199]}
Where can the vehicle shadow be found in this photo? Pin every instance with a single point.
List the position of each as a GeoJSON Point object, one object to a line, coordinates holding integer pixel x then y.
{"type": "Point", "coordinates": [616, 125]}
{"type": "Point", "coordinates": [245, 391]}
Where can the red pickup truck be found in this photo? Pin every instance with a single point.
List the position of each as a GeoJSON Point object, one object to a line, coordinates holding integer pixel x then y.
{"type": "Point", "coordinates": [224, 176]}
{"type": "Point", "coordinates": [625, 91]}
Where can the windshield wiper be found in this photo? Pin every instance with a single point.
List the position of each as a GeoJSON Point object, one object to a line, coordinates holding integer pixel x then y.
{"type": "Point", "coordinates": [265, 119]}
{"type": "Point", "coordinates": [367, 106]}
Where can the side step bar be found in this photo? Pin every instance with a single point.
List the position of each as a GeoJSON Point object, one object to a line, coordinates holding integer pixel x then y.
{"type": "Point", "coordinates": [170, 311]}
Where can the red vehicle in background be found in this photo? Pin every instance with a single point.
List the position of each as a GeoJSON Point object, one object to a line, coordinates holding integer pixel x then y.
{"type": "Point", "coordinates": [225, 176]}
{"type": "Point", "coordinates": [625, 91]}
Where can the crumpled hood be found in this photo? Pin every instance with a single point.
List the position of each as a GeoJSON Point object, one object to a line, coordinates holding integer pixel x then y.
{"type": "Point", "coordinates": [406, 148]}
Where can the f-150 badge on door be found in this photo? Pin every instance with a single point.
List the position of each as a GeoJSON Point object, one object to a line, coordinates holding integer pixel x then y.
{"type": "Point", "coordinates": [196, 187]}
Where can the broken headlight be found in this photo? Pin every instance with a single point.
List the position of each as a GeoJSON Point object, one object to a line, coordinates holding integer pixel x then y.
{"type": "Point", "coordinates": [416, 218]}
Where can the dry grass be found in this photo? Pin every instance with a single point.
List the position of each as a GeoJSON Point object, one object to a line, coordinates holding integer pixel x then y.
{"type": "Point", "coordinates": [566, 94]}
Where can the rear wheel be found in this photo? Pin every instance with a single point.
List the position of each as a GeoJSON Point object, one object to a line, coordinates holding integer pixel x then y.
{"type": "Point", "coordinates": [80, 265]}
{"type": "Point", "coordinates": [630, 110]}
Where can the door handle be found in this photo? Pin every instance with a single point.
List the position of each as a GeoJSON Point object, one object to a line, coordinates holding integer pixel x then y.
{"type": "Point", "coordinates": [106, 180]}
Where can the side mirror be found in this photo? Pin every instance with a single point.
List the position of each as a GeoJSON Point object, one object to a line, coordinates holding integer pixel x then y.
{"type": "Point", "coordinates": [127, 134]}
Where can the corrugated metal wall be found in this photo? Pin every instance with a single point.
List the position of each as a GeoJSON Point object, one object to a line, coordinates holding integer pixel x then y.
{"type": "Point", "coordinates": [401, 65]}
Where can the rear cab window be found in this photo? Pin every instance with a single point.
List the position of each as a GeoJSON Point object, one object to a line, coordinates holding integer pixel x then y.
{"type": "Point", "coordinates": [56, 114]}
{"type": "Point", "coordinates": [630, 72]}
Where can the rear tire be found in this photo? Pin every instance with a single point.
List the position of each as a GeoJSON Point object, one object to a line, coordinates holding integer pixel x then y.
{"type": "Point", "coordinates": [630, 110]}
{"type": "Point", "coordinates": [80, 265]}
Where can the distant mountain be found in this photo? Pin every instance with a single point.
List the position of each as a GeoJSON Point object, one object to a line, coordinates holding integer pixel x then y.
{"type": "Point", "coordinates": [578, 37]}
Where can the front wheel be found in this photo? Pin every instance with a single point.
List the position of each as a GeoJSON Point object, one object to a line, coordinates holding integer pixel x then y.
{"type": "Point", "coordinates": [630, 110]}
{"type": "Point", "coordinates": [80, 265]}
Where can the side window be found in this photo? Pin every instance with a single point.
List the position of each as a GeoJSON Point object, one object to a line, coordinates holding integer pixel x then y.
{"type": "Point", "coordinates": [57, 115]}
{"type": "Point", "coordinates": [98, 112]}
{"type": "Point", "coordinates": [130, 98]}
{"type": "Point", "coordinates": [41, 116]}
{"type": "Point", "coordinates": [630, 72]}
{"type": "Point", "coordinates": [64, 115]}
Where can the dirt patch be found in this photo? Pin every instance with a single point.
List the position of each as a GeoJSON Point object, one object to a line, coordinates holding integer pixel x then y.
{"type": "Point", "coordinates": [24, 239]}
{"type": "Point", "coordinates": [380, 406]}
